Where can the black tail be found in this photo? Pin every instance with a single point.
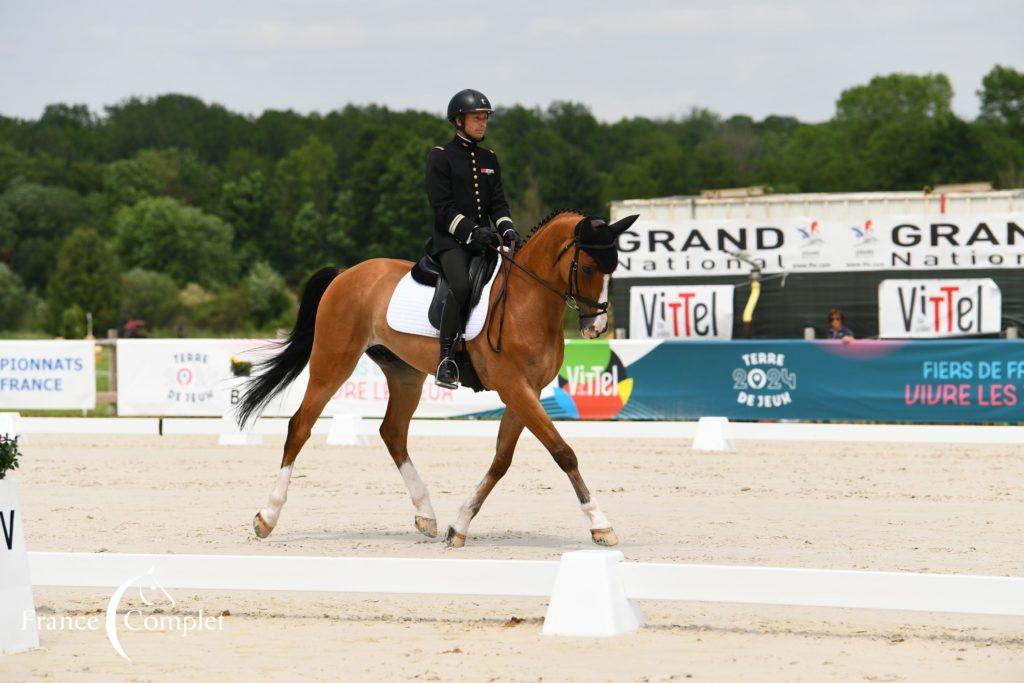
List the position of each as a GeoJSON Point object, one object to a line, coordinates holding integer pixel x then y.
{"type": "Point", "coordinates": [275, 373]}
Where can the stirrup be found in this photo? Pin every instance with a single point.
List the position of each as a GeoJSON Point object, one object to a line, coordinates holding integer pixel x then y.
{"type": "Point", "coordinates": [451, 378]}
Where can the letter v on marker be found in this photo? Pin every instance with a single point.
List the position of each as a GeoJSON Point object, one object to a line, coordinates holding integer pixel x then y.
{"type": "Point", "coordinates": [8, 531]}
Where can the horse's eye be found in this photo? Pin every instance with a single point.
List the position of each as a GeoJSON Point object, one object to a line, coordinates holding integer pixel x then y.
{"type": "Point", "coordinates": [587, 270]}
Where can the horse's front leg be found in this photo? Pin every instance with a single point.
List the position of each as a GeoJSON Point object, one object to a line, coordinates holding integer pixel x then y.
{"type": "Point", "coordinates": [527, 406]}
{"type": "Point", "coordinates": [508, 434]}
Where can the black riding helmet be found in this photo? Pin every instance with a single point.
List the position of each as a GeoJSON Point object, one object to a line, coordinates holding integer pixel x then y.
{"type": "Point", "coordinates": [466, 101]}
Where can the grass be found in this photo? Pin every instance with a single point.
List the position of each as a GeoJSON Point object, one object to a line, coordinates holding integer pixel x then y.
{"type": "Point", "coordinates": [103, 369]}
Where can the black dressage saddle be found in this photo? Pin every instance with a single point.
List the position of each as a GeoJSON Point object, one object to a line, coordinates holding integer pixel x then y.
{"type": "Point", "coordinates": [427, 271]}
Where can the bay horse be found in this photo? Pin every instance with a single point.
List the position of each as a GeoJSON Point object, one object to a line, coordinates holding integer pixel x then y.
{"type": "Point", "coordinates": [568, 259]}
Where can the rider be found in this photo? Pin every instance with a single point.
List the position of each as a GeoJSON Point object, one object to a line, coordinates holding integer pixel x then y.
{"type": "Point", "coordinates": [464, 188]}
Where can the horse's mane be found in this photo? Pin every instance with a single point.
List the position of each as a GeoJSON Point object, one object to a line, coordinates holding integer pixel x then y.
{"type": "Point", "coordinates": [550, 217]}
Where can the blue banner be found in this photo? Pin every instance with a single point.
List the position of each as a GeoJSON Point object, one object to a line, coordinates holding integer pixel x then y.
{"type": "Point", "coordinates": [890, 381]}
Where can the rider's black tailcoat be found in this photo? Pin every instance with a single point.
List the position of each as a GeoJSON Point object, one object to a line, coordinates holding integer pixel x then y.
{"type": "Point", "coordinates": [464, 187]}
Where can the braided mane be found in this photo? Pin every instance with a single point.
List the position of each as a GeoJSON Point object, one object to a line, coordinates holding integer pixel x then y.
{"type": "Point", "coordinates": [550, 217]}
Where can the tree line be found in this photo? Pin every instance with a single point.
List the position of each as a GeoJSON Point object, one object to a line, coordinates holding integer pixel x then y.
{"type": "Point", "coordinates": [172, 209]}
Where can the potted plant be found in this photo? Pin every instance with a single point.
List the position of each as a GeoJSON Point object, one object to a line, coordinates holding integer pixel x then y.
{"type": "Point", "coordinates": [8, 489]}
{"type": "Point", "coordinates": [240, 368]}
{"type": "Point", "coordinates": [8, 454]}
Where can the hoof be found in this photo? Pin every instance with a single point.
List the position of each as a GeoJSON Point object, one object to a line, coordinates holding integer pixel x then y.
{"type": "Point", "coordinates": [453, 539]}
{"type": "Point", "coordinates": [427, 526]}
{"type": "Point", "coordinates": [260, 527]}
{"type": "Point", "coordinates": [604, 536]}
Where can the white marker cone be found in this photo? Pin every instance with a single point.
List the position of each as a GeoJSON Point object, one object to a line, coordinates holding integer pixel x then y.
{"type": "Point", "coordinates": [231, 434]}
{"type": "Point", "coordinates": [589, 599]}
{"type": "Point", "coordinates": [711, 435]}
{"type": "Point", "coordinates": [347, 430]}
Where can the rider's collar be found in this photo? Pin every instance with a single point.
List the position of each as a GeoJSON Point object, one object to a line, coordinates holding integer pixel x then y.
{"type": "Point", "coordinates": [465, 141]}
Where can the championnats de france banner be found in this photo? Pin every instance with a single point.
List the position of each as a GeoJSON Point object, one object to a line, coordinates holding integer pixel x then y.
{"type": "Point", "coordinates": [887, 381]}
{"type": "Point", "coordinates": [47, 375]}
{"type": "Point", "coordinates": [808, 244]}
{"type": "Point", "coordinates": [938, 308]}
{"type": "Point", "coordinates": [193, 377]}
{"type": "Point", "coordinates": [681, 312]}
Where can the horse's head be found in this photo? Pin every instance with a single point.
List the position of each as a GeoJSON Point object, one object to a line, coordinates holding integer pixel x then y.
{"type": "Point", "coordinates": [595, 255]}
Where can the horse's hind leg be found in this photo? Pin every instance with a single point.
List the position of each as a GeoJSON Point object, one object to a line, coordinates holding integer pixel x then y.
{"type": "Point", "coordinates": [405, 386]}
{"type": "Point", "coordinates": [326, 373]}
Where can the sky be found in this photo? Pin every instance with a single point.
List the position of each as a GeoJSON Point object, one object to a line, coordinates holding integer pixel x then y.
{"type": "Point", "coordinates": [622, 59]}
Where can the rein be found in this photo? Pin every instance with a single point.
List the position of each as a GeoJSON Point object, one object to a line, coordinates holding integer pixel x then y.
{"type": "Point", "coordinates": [571, 296]}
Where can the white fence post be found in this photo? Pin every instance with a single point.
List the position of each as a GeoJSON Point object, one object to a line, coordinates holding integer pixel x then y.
{"type": "Point", "coordinates": [347, 429]}
{"type": "Point", "coordinates": [18, 628]}
{"type": "Point", "coordinates": [231, 434]}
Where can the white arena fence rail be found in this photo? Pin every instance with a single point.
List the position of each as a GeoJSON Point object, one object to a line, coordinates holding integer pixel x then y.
{"type": "Point", "coordinates": [775, 431]}
{"type": "Point", "coordinates": [591, 592]}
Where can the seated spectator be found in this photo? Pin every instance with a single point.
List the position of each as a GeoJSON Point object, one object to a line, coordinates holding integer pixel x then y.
{"type": "Point", "coordinates": [837, 328]}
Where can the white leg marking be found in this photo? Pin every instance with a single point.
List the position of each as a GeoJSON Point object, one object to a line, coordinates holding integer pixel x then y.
{"type": "Point", "coordinates": [594, 515]}
{"type": "Point", "coordinates": [277, 497]}
{"type": "Point", "coordinates": [417, 490]}
{"type": "Point", "coordinates": [599, 324]}
{"type": "Point", "coordinates": [601, 321]}
{"type": "Point", "coordinates": [465, 514]}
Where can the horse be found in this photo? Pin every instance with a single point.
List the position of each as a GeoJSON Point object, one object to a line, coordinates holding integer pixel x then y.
{"type": "Point", "coordinates": [567, 260]}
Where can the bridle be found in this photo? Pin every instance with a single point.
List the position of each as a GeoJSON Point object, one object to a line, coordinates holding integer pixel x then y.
{"type": "Point", "coordinates": [571, 296]}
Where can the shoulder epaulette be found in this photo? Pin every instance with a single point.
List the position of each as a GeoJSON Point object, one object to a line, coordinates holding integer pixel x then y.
{"type": "Point", "coordinates": [439, 147]}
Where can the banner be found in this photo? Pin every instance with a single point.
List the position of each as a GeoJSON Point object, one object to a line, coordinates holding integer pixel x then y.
{"type": "Point", "coordinates": [938, 308]}
{"type": "Point", "coordinates": [886, 381]}
{"type": "Point", "coordinates": [47, 374]}
{"type": "Point", "coordinates": [193, 377]}
{"type": "Point", "coordinates": [710, 247]}
{"type": "Point", "coordinates": [680, 312]}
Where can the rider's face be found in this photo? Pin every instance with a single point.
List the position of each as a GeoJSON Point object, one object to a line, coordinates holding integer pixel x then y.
{"type": "Point", "coordinates": [476, 124]}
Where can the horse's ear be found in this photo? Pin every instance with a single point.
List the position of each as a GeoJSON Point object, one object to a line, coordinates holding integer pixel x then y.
{"type": "Point", "coordinates": [623, 224]}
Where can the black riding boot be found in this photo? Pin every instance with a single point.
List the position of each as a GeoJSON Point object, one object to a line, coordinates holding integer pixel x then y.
{"type": "Point", "coordinates": [447, 375]}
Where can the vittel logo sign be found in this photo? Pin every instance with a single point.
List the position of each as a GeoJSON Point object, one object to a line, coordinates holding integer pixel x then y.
{"type": "Point", "coordinates": [679, 312]}
{"type": "Point", "coordinates": [938, 308]}
{"type": "Point", "coordinates": [593, 382]}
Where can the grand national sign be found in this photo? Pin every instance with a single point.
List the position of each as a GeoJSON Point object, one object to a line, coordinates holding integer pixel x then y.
{"type": "Point", "coordinates": [807, 244]}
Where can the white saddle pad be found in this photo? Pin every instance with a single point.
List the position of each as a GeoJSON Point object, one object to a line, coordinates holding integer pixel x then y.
{"type": "Point", "coordinates": [407, 310]}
